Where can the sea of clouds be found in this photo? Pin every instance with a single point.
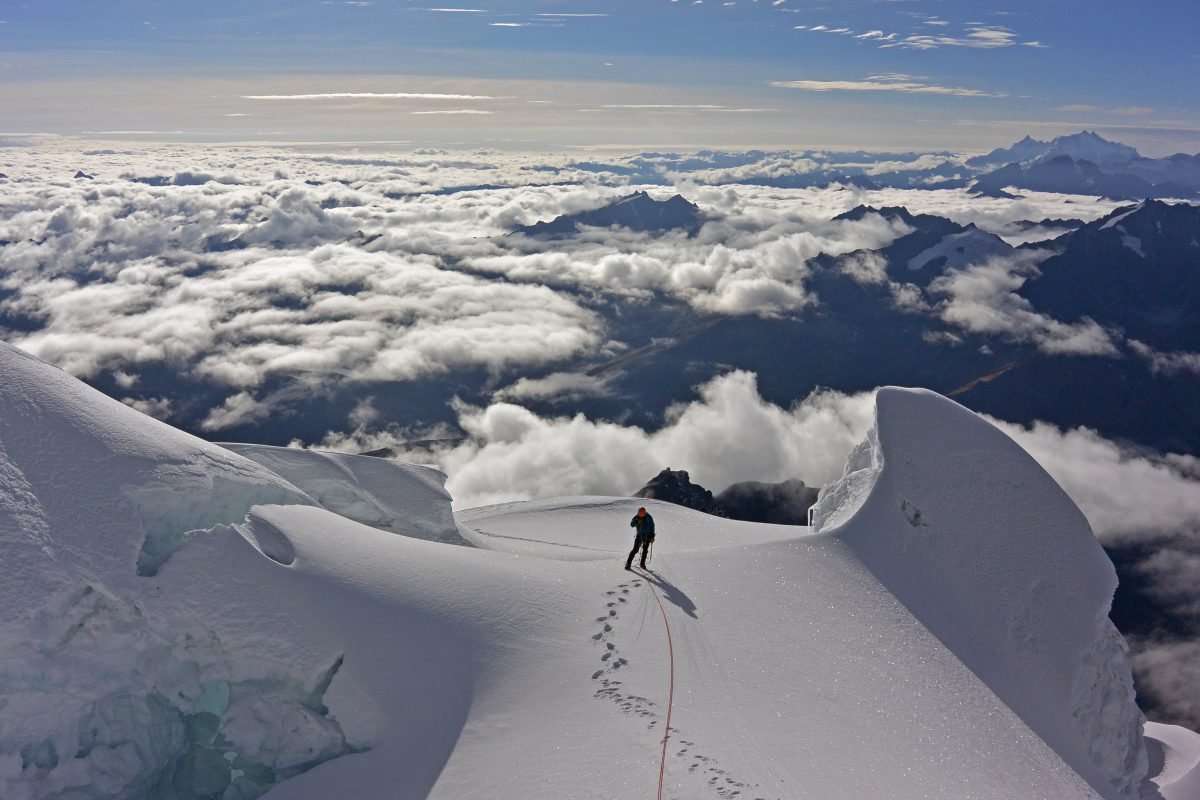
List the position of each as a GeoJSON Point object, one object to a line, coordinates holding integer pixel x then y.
{"type": "Point", "coordinates": [238, 266]}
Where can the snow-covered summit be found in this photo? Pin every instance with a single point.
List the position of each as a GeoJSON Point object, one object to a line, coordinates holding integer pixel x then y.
{"type": "Point", "coordinates": [1089, 146]}
{"type": "Point", "coordinates": [982, 546]}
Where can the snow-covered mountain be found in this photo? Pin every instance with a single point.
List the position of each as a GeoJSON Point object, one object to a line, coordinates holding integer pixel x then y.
{"type": "Point", "coordinates": [1085, 163]}
{"type": "Point", "coordinates": [1025, 150]}
{"type": "Point", "coordinates": [1084, 146]}
{"type": "Point", "coordinates": [307, 629]}
{"type": "Point", "coordinates": [1089, 146]}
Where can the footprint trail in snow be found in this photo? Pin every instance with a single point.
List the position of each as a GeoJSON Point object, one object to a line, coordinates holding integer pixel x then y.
{"type": "Point", "coordinates": [721, 783]}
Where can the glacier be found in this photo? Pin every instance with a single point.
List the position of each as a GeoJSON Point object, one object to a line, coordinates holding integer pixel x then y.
{"type": "Point", "coordinates": [186, 620]}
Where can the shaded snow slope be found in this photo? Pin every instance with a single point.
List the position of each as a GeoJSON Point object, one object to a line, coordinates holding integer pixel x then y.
{"type": "Point", "coordinates": [390, 495]}
{"type": "Point", "coordinates": [988, 552]}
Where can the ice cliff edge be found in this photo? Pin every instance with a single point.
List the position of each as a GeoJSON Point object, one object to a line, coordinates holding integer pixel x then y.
{"type": "Point", "coordinates": [993, 557]}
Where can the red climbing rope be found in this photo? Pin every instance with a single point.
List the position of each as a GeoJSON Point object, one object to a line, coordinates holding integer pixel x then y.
{"type": "Point", "coordinates": [662, 766]}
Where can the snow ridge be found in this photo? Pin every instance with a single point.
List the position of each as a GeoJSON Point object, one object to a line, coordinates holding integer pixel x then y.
{"type": "Point", "coordinates": [986, 550]}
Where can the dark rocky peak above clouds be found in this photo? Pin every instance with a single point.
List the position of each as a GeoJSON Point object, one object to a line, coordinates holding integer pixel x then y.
{"type": "Point", "coordinates": [783, 503]}
{"type": "Point", "coordinates": [675, 486]}
{"type": "Point", "coordinates": [638, 212]}
{"type": "Point", "coordinates": [894, 212]}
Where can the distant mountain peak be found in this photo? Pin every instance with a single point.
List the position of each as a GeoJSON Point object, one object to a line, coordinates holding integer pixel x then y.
{"type": "Point", "coordinates": [637, 211]}
{"type": "Point", "coordinates": [887, 212]}
{"type": "Point", "coordinates": [1091, 146]}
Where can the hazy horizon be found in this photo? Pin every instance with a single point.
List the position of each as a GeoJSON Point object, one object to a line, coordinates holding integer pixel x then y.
{"type": "Point", "coordinates": [785, 74]}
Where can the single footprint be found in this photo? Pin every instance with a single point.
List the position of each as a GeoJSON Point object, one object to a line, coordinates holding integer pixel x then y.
{"type": "Point", "coordinates": [611, 646]}
{"type": "Point", "coordinates": [612, 613]}
{"type": "Point", "coordinates": [607, 628]}
{"type": "Point", "coordinates": [601, 619]}
{"type": "Point", "coordinates": [597, 674]}
{"type": "Point", "coordinates": [606, 656]}
{"type": "Point", "coordinates": [597, 637]}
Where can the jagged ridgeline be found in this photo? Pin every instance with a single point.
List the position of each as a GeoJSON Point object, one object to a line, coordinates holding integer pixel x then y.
{"type": "Point", "coordinates": [638, 212]}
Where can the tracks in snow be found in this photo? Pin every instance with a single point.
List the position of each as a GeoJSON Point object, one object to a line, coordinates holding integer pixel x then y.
{"type": "Point", "coordinates": [619, 602]}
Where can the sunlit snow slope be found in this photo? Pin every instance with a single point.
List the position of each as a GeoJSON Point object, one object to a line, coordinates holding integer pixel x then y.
{"type": "Point", "coordinates": [185, 622]}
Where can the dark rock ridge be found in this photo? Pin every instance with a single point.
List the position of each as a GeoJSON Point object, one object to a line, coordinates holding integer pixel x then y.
{"type": "Point", "coordinates": [637, 212]}
{"type": "Point", "coordinates": [675, 486]}
{"type": "Point", "coordinates": [1138, 269]}
{"type": "Point", "coordinates": [784, 503]}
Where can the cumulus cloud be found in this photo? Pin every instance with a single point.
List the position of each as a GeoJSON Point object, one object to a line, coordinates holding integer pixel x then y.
{"type": "Point", "coordinates": [729, 433]}
{"type": "Point", "coordinates": [1127, 493]}
{"type": "Point", "coordinates": [157, 407]}
{"type": "Point", "coordinates": [239, 409]}
{"type": "Point", "coordinates": [1166, 363]}
{"type": "Point", "coordinates": [559, 386]}
{"type": "Point", "coordinates": [224, 265]}
{"type": "Point", "coordinates": [1167, 674]}
{"type": "Point", "coordinates": [770, 167]}
{"type": "Point", "coordinates": [983, 299]}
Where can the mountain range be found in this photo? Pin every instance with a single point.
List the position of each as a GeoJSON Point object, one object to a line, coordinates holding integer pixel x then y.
{"type": "Point", "coordinates": [1085, 163]}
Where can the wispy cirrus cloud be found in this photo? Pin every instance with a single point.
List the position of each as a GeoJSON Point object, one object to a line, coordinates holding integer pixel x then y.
{"type": "Point", "coordinates": [454, 112]}
{"type": "Point", "coordinates": [1123, 111]}
{"type": "Point", "coordinates": [700, 106]}
{"type": "Point", "coordinates": [984, 37]}
{"type": "Point", "coordinates": [370, 96]}
{"type": "Point", "coordinates": [902, 84]}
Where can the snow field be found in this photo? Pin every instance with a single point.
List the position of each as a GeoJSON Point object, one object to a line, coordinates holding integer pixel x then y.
{"type": "Point", "coordinates": [942, 635]}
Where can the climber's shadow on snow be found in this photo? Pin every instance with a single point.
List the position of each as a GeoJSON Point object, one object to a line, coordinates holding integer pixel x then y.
{"type": "Point", "coordinates": [672, 592]}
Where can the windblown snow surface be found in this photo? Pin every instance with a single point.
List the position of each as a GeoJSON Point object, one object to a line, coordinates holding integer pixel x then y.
{"type": "Point", "coordinates": [182, 621]}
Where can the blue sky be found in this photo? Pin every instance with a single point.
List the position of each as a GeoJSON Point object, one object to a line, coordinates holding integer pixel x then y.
{"type": "Point", "coordinates": [923, 74]}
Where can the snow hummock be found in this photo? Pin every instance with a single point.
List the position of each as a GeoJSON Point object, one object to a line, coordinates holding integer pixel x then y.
{"type": "Point", "coordinates": [942, 635]}
{"type": "Point", "coordinates": [989, 553]}
{"type": "Point", "coordinates": [402, 498]}
{"type": "Point", "coordinates": [1175, 759]}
